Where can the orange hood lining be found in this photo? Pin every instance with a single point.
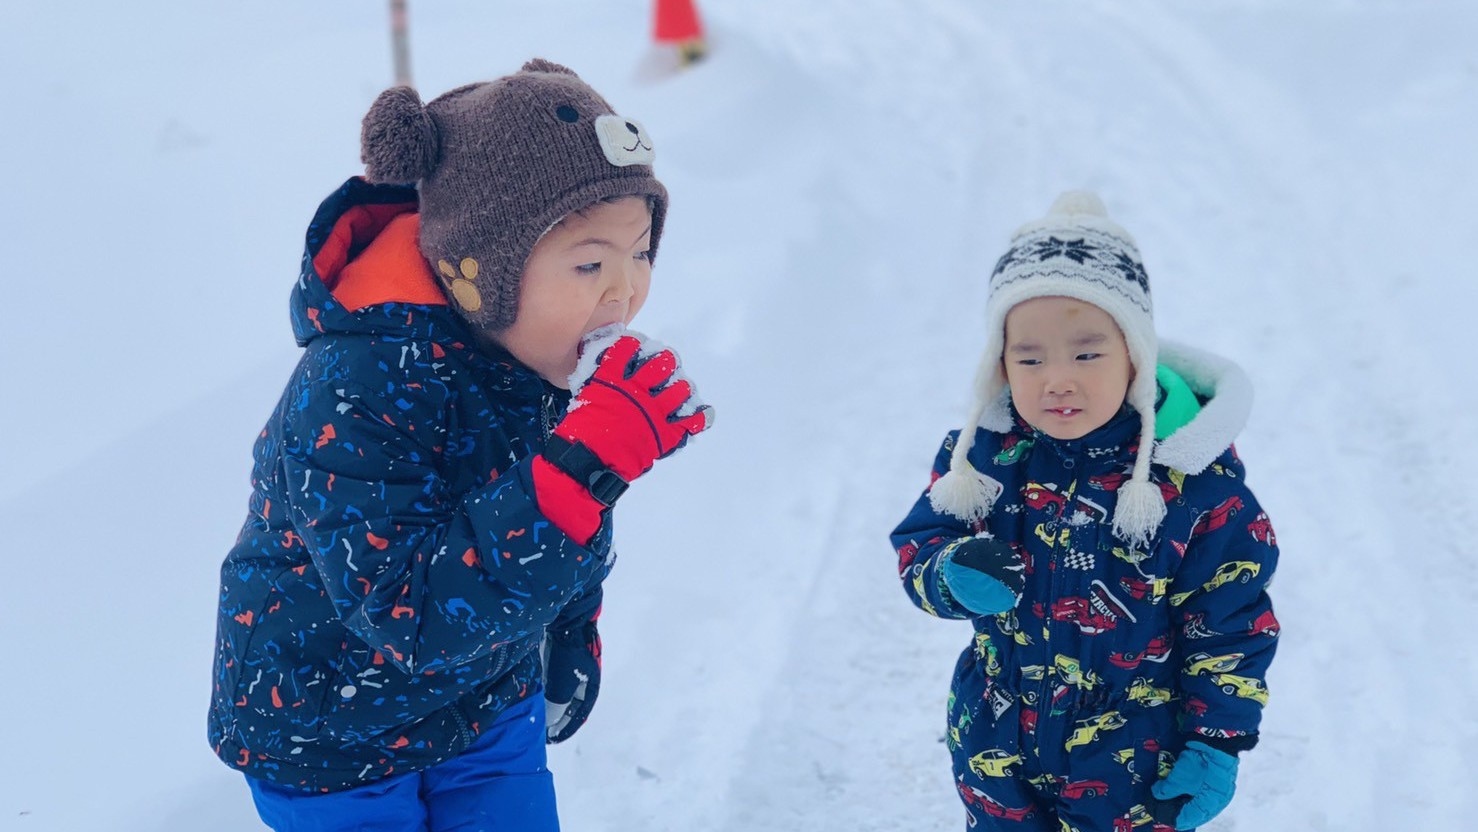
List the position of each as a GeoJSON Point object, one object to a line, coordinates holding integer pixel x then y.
{"type": "Point", "coordinates": [372, 257]}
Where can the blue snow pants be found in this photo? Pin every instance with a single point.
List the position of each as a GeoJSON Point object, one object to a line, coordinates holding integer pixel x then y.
{"type": "Point", "coordinates": [501, 783]}
{"type": "Point", "coordinates": [1032, 764]}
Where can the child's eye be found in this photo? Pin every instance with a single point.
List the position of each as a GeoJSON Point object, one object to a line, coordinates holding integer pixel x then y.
{"type": "Point", "coordinates": [1089, 356]}
{"type": "Point", "coordinates": [1029, 362]}
{"type": "Point", "coordinates": [589, 268]}
{"type": "Point", "coordinates": [645, 255]}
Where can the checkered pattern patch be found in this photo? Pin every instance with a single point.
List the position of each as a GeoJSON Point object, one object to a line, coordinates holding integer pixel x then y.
{"type": "Point", "coordinates": [1079, 560]}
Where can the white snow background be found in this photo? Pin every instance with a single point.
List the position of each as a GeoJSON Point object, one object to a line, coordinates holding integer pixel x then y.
{"type": "Point", "coordinates": [844, 173]}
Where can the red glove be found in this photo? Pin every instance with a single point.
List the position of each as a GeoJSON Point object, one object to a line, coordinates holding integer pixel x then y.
{"type": "Point", "coordinates": [635, 408]}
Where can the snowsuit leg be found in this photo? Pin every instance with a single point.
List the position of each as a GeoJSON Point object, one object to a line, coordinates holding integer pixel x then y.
{"type": "Point", "coordinates": [1103, 780]}
{"type": "Point", "coordinates": [501, 783]}
{"type": "Point", "coordinates": [984, 736]}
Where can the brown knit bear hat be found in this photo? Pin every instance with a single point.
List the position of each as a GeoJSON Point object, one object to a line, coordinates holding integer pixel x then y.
{"type": "Point", "coordinates": [497, 164]}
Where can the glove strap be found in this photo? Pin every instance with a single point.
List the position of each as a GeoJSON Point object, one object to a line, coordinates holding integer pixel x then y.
{"type": "Point", "coordinates": [584, 467]}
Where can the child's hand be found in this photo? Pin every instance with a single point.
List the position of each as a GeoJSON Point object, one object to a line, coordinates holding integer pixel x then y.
{"type": "Point", "coordinates": [635, 406]}
{"type": "Point", "coordinates": [1200, 785]}
{"type": "Point", "coordinates": [571, 679]}
{"type": "Point", "coordinates": [984, 575]}
{"type": "Point", "coordinates": [632, 406]}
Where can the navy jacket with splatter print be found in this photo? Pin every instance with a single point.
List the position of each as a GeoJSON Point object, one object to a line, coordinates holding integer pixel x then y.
{"type": "Point", "coordinates": [387, 595]}
{"type": "Point", "coordinates": [1111, 642]}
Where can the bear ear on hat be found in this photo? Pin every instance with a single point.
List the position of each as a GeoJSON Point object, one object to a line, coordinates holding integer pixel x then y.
{"type": "Point", "coordinates": [541, 65]}
{"type": "Point", "coordinates": [398, 140]}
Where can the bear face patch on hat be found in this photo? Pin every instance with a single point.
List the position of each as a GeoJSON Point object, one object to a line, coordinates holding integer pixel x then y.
{"type": "Point", "coordinates": [497, 164]}
{"type": "Point", "coordinates": [1075, 251]}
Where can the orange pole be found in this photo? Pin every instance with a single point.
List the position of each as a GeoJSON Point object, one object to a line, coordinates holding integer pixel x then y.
{"type": "Point", "coordinates": [400, 43]}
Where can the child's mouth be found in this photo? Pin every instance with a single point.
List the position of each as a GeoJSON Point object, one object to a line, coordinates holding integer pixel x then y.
{"type": "Point", "coordinates": [1065, 412]}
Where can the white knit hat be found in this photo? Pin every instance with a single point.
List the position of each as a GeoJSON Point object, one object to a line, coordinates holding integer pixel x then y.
{"type": "Point", "coordinates": [1077, 252]}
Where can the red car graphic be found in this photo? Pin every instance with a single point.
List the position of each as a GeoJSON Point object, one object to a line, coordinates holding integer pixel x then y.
{"type": "Point", "coordinates": [1108, 482]}
{"type": "Point", "coordinates": [977, 798]}
{"type": "Point", "coordinates": [1042, 498]}
{"type": "Point", "coordinates": [1156, 651]}
{"type": "Point", "coordinates": [1029, 720]}
{"type": "Point", "coordinates": [1136, 588]}
{"type": "Point", "coordinates": [1169, 491]}
{"type": "Point", "coordinates": [1267, 624]}
{"type": "Point", "coordinates": [1262, 529]}
{"type": "Point", "coordinates": [906, 553]}
{"type": "Point", "coordinates": [1217, 517]}
{"type": "Point", "coordinates": [1074, 789]}
{"type": "Point", "coordinates": [1080, 612]}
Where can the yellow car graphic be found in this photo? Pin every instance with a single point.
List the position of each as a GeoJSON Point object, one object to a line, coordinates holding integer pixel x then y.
{"type": "Point", "coordinates": [994, 762]}
{"type": "Point", "coordinates": [1071, 672]}
{"type": "Point", "coordinates": [1087, 730]}
{"type": "Point", "coordinates": [1060, 539]}
{"type": "Point", "coordinates": [918, 587]}
{"type": "Point", "coordinates": [1199, 663]}
{"type": "Point", "coordinates": [1242, 687]}
{"type": "Point", "coordinates": [1145, 693]}
{"type": "Point", "coordinates": [1237, 570]}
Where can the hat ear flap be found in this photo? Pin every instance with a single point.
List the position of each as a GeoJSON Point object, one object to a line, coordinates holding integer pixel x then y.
{"type": "Point", "coordinates": [399, 143]}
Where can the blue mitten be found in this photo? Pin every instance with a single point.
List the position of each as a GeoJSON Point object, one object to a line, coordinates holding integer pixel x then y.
{"type": "Point", "coordinates": [571, 678]}
{"type": "Point", "coordinates": [985, 575]}
{"type": "Point", "coordinates": [1203, 779]}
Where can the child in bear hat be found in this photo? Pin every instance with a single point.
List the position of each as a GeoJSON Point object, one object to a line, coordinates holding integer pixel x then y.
{"type": "Point", "coordinates": [1093, 522]}
{"type": "Point", "coordinates": [409, 612]}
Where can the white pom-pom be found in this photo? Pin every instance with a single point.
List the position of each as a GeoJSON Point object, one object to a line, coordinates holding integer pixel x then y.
{"type": "Point", "coordinates": [1139, 512]}
{"type": "Point", "coordinates": [1079, 202]}
{"type": "Point", "coordinates": [966, 494]}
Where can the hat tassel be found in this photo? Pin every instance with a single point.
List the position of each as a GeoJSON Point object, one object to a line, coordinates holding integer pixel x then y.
{"type": "Point", "coordinates": [1141, 506]}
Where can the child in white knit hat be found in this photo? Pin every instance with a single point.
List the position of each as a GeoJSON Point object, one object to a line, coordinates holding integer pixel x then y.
{"type": "Point", "coordinates": [1094, 523]}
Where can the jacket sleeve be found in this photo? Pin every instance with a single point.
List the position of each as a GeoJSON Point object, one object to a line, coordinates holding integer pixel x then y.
{"type": "Point", "coordinates": [585, 606]}
{"type": "Point", "coordinates": [427, 577]}
{"type": "Point", "coordinates": [1228, 631]}
{"type": "Point", "coordinates": [920, 541]}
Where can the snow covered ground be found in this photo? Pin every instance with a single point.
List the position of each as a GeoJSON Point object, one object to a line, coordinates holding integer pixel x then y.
{"type": "Point", "coordinates": [844, 174]}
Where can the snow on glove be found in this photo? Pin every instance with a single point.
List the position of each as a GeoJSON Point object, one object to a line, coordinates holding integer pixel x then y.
{"type": "Point", "coordinates": [631, 406]}
{"type": "Point", "coordinates": [983, 574]}
{"type": "Point", "coordinates": [571, 678]}
{"type": "Point", "coordinates": [1200, 784]}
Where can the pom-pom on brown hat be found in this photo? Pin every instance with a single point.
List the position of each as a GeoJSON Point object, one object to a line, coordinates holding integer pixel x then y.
{"type": "Point", "coordinates": [497, 164]}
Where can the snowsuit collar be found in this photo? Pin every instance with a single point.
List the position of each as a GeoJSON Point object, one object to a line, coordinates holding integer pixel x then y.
{"type": "Point", "coordinates": [1114, 441]}
{"type": "Point", "coordinates": [1225, 392]}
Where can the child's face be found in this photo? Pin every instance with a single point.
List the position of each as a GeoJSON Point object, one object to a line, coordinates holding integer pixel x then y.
{"type": "Point", "coordinates": [590, 270]}
{"type": "Point", "coordinates": [1067, 365]}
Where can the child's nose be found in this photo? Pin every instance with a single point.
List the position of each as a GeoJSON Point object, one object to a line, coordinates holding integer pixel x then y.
{"type": "Point", "coordinates": [622, 285]}
{"type": "Point", "coordinates": [1061, 385]}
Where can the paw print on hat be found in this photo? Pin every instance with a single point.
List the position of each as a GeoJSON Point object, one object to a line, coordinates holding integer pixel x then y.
{"type": "Point", "coordinates": [462, 281]}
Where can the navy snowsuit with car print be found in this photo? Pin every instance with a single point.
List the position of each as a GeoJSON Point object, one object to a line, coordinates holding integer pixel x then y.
{"type": "Point", "coordinates": [389, 591]}
{"type": "Point", "coordinates": [1064, 711]}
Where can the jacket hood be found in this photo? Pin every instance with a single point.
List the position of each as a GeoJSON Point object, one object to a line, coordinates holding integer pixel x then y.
{"type": "Point", "coordinates": [362, 272]}
{"type": "Point", "coordinates": [1225, 392]}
